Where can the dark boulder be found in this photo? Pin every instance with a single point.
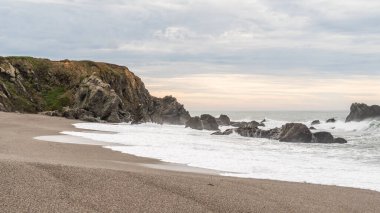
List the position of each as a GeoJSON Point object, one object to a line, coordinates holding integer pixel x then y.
{"type": "Point", "coordinates": [322, 137]}
{"type": "Point", "coordinates": [206, 122]}
{"type": "Point", "coordinates": [331, 120]}
{"type": "Point", "coordinates": [209, 122]}
{"type": "Point", "coordinates": [223, 120]}
{"type": "Point", "coordinates": [295, 132]}
{"type": "Point", "coordinates": [316, 122]}
{"type": "Point", "coordinates": [194, 123]}
{"type": "Point", "coordinates": [340, 140]}
{"type": "Point", "coordinates": [360, 112]}
{"type": "Point", "coordinates": [312, 128]}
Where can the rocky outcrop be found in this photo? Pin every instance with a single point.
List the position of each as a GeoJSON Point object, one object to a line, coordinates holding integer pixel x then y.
{"type": "Point", "coordinates": [83, 90]}
{"type": "Point", "coordinates": [168, 110]}
{"type": "Point", "coordinates": [295, 132]}
{"type": "Point", "coordinates": [209, 122]}
{"type": "Point", "coordinates": [194, 123]}
{"type": "Point", "coordinates": [206, 122]}
{"type": "Point", "coordinates": [360, 112]}
{"type": "Point", "coordinates": [100, 101]}
{"type": "Point", "coordinates": [290, 132]}
{"type": "Point", "coordinates": [223, 120]}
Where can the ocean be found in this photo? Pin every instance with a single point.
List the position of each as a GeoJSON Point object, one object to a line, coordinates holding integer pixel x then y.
{"type": "Point", "coordinates": [355, 164]}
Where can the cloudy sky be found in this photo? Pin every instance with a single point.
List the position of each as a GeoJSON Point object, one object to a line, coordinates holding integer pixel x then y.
{"type": "Point", "coordinates": [215, 54]}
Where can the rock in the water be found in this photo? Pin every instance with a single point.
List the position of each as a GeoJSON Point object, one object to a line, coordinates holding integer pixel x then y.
{"type": "Point", "coordinates": [168, 110]}
{"type": "Point", "coordinates": [209, 122]}
{"type": "Point", "coordinates": [247, 131]}
{"type": "Point", "coordinates": [316, 122]}
{"type": "Point", "coordinates": [312, 128]}
{"type": "Point", "coordinates": [295, 132]}
{"type": "Point", "coordinates": [322, 137]}
{"type": "Point", "coordinates": [331, 120]}
{"type": "Point", "coordinates": [360, 112]}
{"type": "Point", "coordinates": [223, 120]}
{"type": "Point", "coordinates": [258, 133]}
{"type": "Point", "coordinates": [340, 140]}
{"type": "Point", "coordinates": [251, 124]}
{"type": "Point", "coordinates": [194, 123]}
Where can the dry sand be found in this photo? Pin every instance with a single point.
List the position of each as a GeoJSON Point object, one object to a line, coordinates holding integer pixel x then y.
{"type": "Point", "coordinates": [38, 176]}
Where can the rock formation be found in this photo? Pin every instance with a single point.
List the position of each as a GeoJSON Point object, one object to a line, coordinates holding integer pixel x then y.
{"type": "Point", "coordinates": [360, 112]}
{"type": "Point", "coordinates": [322, 137]}
{"type": "Point", "coordinates": [206, 122]}
{"type": "Point", "coordinates": [83, 90]}
{"type": "Point", "coordinates": [295, 132]}
{"type": "Point", "coordinates": [223, 120]}
{"type": "Point", "coordinates": [290, 132]}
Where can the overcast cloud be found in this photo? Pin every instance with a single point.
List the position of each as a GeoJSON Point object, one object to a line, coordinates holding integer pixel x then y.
{"type": "Point", "coordinates": [186, 38]}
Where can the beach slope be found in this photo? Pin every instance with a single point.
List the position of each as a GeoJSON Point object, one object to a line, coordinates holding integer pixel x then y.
{"type": "Point", "coordinates": [39, 176]}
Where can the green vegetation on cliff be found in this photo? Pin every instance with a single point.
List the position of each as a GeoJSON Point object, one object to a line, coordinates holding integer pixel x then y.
{"type": "Point", "coordinates": [80, 89]}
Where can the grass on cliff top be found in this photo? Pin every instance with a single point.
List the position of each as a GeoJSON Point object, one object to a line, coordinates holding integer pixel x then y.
{"type": "Point", "coordinates": [57, 98]}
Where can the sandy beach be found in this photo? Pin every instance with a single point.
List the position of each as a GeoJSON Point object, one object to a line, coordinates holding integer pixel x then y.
{"type": "Point", "coordinates": [40, 176]}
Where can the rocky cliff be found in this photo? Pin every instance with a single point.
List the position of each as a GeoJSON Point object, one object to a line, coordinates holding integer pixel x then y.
{"type": "Point", "coordinates": [84, 90]}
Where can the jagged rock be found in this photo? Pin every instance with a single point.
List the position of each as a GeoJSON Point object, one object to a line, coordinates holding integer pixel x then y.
{"type": "Point", "coordinates": [168, 110]}
{"type": "Point", "coordinates": [263, 121]}
{"type": "Point", "coordinates": [209, 122]}
{"type": "Point", "coordinates": [316, 122]}
{"type": "Point", "coordinates": [295, 132]}
{"type": "Point", "coordinates": [223, 120]}
{"type": "Point", "coordinates": [322, 137]}
{"type": "Point", "coordinates": [194, 123]}
{"type": "Point", "coordinates": [100, 99]}
{"type": "Point", "coordinates": [331, 120]}
{"type": "Point", "coordinates": [360, 112]}
{"type": "Point", "coordinates": [340, 140]}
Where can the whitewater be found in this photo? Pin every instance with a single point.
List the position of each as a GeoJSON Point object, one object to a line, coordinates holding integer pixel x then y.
{"type": "Point", "coordinates": [355, 164]}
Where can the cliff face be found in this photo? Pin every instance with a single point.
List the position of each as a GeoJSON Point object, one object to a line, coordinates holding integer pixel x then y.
{"type": "Point", "coordinates": [82, 90]}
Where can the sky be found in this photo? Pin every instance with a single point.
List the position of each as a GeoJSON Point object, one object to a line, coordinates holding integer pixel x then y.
{"type": "Point", "coordinates": [214, 54]}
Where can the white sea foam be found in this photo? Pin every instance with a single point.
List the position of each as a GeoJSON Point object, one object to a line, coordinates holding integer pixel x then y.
{"type": "Point", "coordinates": [356, 164]}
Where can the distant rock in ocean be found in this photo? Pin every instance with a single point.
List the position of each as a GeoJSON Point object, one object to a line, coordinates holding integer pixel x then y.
{"type": "Point", "coordinates": [331, 120]}
{"type": "Point", "coordinates": [316, 122]}
{"type": "Point", "coordinates": [85, 90]}
{"type": "Point", "coordinates": [360, 112]}
{"type": "Point", "coordinates": [290, 132]}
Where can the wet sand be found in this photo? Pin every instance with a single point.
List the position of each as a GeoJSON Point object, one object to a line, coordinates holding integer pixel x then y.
{"type": "Point", "coordinates": [40, 176]}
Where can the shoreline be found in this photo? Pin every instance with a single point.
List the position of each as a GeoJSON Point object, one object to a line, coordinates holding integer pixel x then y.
{"type": "Point", "coordinates": [73, 169]}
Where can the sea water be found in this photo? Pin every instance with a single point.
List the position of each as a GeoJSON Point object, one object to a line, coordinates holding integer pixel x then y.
{"type": "Point", "coordinates": [355, 164]}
